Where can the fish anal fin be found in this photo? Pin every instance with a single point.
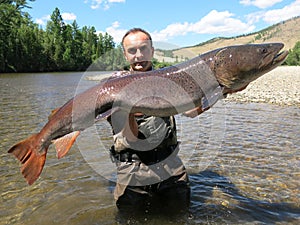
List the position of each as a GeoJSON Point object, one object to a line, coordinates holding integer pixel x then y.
{"type": "Point", "coordinates": [64, 143]}
{"type": "Point", "coordinates": [32, 156]}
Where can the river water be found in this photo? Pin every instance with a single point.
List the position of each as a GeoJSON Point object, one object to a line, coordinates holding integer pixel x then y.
{"type": "Point", "coordinates": [243, 162]}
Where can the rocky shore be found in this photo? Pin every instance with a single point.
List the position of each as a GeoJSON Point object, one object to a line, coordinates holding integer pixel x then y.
{"type": "Point", "coordinates": [280, 86]}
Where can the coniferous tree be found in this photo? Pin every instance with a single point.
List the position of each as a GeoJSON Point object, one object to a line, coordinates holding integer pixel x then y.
{"type": "Point", "coordinates": [26, 47]}
{"type": "Point", "coordinates": [293, 58]}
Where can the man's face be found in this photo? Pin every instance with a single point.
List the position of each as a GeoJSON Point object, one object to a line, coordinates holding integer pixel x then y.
{"type": "Point", "coordinates": [138, 51]}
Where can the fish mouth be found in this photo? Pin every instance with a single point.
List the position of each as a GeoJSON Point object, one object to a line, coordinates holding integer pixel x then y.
{"type": "Point", "coordinates": [274, 58]}
{"type": "Point", "coordinates": [280, 57]}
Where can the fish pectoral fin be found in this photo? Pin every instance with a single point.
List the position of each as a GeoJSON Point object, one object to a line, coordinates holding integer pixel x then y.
{"type": "Point", "coordinates": [206, 102]}
{"type": "Point", "coordinates": [106, 114]}
{"type": "Point", "coordinates": [32, 156]}
{"type": "Point", "coordinates": [229, 91]}
{"type": "Point", "coordinates": [193, 112]}
{"type": "Point", "coordinates": [64, 143]}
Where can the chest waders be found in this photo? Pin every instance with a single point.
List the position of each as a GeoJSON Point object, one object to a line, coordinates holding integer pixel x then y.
{"type": "Point", "coordinates": [151, 129]}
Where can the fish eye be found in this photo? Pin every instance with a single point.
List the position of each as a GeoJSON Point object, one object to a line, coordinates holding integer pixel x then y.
{"type": "Point", "coordinates": [264, 50]}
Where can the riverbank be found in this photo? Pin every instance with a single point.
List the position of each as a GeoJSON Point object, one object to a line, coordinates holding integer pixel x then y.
{"type": "Point", "coordinates": [280, 86]}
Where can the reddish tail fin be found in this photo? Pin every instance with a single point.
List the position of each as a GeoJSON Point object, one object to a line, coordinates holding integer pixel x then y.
{"type": "Point", "coordinates": [32, 156]}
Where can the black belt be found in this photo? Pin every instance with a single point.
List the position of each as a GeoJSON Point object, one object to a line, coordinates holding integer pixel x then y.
{"type": "Point", "coordinates": [147, 157]}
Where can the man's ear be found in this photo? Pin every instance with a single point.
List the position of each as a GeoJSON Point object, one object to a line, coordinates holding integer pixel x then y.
{"type": "Point", "coordinates": [152, 48]}
{"type": "Point", "coordinates": [125, 56]}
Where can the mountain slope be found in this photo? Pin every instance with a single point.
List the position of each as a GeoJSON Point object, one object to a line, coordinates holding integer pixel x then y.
{"type": "Point", "coordinates": [287, 32]}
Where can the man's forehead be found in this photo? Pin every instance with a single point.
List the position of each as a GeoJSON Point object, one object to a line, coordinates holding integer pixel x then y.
{"type": "Point", "coordinates": [137, 40]}
{"type": "Point", "coordinates": [137, 44]}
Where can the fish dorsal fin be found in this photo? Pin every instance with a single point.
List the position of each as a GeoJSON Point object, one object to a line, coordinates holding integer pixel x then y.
{"type": "Point", "coordinates": [64, 143]}
{"type": "Point", "coordinates": [52, 113]}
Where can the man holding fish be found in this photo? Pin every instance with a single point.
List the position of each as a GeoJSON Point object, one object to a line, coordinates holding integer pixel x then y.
{"type": "Point", "coordinates": [140, 106]}
{"type": "Point", "coordinates": [149, 170]}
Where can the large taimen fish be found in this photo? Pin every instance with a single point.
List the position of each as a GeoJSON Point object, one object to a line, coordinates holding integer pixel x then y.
{"type": "Point", "coordinates": [197, 83]}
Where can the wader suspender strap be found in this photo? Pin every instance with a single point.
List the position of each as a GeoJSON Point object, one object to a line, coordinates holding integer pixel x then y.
{"type": "Point", "coordinates": [153, 156]}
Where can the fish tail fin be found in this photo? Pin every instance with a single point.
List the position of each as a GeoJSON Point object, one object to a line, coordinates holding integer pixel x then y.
{"type": "Point", "coordinates": [64, 143]}
{"type": "Point", "coordinates": [32, 156]}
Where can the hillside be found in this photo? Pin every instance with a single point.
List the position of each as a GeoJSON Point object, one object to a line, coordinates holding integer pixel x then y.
{"type": "Point", "coordinates": [287, 32]}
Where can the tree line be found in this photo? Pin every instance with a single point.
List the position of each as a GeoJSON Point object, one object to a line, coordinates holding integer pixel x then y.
{"type": "Point", "coordinates": [293, 58]}
{"type": "Point", "coordinates": [25, 47]}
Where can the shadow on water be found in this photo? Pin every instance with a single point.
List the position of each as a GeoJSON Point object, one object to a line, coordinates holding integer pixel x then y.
{"type": "Point", "coordinates": [215, 200]}
{"type": "Point", "coordinates": [233, 206]}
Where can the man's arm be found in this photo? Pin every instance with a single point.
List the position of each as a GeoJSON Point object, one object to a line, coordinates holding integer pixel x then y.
{"type": "Point", "coordinates": [125, 130]}
{"type": "Point", "coordinates": [130, 130]}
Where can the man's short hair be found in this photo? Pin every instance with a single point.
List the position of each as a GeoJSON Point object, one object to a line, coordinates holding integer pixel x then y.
{"type": "Point", "coordinates": [135, 30]}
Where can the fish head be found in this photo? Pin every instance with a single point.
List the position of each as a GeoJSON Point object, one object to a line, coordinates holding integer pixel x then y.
{"type": "Point", "coordinates": [236, 66]}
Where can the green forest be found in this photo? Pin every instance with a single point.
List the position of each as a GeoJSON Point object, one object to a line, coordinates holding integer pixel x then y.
{"type": "Point", "coordinates": [293, 58]}
{"type": "Point", "coordinates": [26, 47]}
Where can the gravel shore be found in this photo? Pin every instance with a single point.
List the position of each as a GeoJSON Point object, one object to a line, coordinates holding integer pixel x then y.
{"type": "Point", "coordinates": [280, 86]}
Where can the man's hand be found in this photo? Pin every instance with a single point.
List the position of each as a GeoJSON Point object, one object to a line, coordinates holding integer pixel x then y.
{"type": "Point", "coordinates": [130, 130]}
{"type": "Point", "coordinates": [125, 124]}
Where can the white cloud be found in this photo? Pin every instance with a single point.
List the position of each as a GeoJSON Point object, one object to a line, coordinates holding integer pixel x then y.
{"type": "Point", "coordinates": [219, 23]}
{"type": "Point", "coordinates": [175, 29]}
{"type": "Point", "coordinates": [42, 21]}
{"type": "Point", "coordinates": [117, 1]}
{"type": "Point", "coordinates": [254, 17]}
{"type": "Point", "coordinates": [68, 16]}
{"type": "Point", "coordinates": [287, 12]}
{"type": "Point", "coordinates": [115, 31]}
{"type": "Point", "coordinates": [105, 4]}
{"type": "Point", "coordinates": [276, 15]}
{"type": "Point", "coordinates": [216, 23]}
{"type": "Point", "coordinates": [262, 4]}
{"type": "Point", "coordinates": [96, 4]}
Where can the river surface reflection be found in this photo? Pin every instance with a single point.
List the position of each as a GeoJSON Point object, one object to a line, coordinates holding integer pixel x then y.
{"type": "Point", "coordinates": [243, 161]}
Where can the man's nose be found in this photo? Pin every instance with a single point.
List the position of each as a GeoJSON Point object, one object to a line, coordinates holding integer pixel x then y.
{"type": "Point", "coordinates": [138, 53]}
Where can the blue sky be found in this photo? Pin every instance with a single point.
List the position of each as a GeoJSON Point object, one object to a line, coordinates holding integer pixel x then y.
{"type": "Point", "coordinates": [178, 22]}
